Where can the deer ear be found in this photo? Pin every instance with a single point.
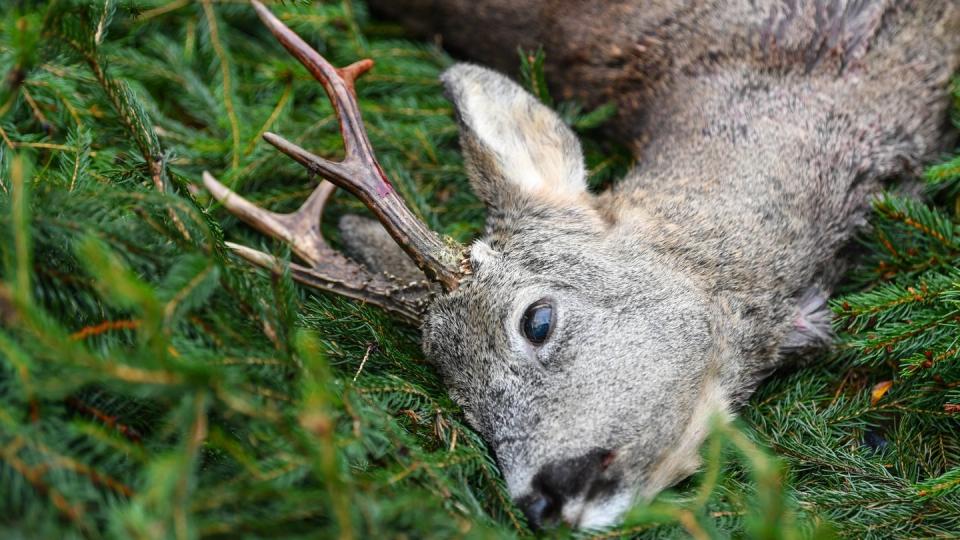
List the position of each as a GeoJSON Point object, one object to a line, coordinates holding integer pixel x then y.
{"type": "Point", "coordinates": [512, 142]}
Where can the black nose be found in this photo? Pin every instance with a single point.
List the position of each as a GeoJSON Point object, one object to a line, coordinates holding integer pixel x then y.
{"type": "Point", "coordinates": [559, 481]}
{"type": "Point", "coordinates": [540, 509]}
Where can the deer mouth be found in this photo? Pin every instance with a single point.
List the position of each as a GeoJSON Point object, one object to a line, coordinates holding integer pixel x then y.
{"type": "Point", "coordinates": [579, 512]}
{"type": "Point", "coordinates": [597, 513]}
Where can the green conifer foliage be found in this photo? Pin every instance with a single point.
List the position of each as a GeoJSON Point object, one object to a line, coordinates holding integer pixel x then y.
{"type": "Point", "coordinates": [152, 385]}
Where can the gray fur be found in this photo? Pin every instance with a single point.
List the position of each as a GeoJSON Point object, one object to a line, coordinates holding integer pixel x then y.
{"type": "Point", "coordinates": [684, 285]}
{"type": "Point", "coordinates": [366, 241]}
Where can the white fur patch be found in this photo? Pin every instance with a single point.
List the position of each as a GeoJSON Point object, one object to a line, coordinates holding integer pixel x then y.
{"type": "Point", "coordinates": [602, 513]}
{"type": "Point", "coordinates": [481, 253]}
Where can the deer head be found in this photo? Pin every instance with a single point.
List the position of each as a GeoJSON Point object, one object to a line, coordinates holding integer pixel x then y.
{"type": "Point", "coordinates": [587, 362]}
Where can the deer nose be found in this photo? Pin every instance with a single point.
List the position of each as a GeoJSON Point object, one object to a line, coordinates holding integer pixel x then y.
{"type": "Point", "coordinates": [540, 509]}
{"type": "Point", "coordinates": [560, 481]}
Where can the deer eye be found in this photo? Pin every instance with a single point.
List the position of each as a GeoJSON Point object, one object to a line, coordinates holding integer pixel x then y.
{"type": "Point", "coordinates": [537, 322]}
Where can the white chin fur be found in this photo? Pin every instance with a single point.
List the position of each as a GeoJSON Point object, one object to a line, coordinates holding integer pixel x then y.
{"type": "Point", "coordinates": [597, 514]}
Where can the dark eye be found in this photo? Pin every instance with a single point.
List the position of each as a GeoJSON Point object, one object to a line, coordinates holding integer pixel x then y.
{"type": "Point", "coordinates": [537, 322]}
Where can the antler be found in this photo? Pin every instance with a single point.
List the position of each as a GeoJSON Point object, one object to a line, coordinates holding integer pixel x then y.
{"type": "Point", "coordinates": [361, 175]}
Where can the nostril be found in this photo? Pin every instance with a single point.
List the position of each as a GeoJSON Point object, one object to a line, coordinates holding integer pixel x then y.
{"type": "Point", "coordinates": [541, 509]}
{"type": "Point", "coordinates": [606, 459]}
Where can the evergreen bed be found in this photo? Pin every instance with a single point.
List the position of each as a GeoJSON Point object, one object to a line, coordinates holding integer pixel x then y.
{"type": "Point", "coordinates": [153, 385]}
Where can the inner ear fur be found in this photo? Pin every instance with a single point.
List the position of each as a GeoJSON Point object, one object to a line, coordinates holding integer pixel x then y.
{"type": "Point", "coordinates": [512, 143]}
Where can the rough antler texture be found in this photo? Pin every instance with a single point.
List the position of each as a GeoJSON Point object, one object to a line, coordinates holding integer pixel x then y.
{"type": "Point", "coordinates": [361, 175]}
{"type": "Point", "coordinates": [328, 269]}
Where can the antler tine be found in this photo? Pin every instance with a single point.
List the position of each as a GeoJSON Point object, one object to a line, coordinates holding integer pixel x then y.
{"type": "Point", "coordinates": [360, 173]}
{"type": "Point", "coordinates": [406, 302]}
{"type": "Point", "coordinates": [329, 270]}
{"type": "Point", "coordinates": [339, 83]}
{"type": "Point", "coordinates": [300, 230]}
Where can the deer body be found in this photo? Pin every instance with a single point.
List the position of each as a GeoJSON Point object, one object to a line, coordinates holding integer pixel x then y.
{"type": "Point", "coordinates": [596, 333]}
